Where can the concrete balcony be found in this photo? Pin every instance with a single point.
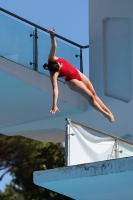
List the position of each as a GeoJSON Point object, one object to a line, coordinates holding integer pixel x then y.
{"type": "Point", "coordinates": [104, 180]}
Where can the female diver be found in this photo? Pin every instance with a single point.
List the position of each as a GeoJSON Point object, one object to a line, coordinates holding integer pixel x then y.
{"type": "Point", "coordinates": [75, 80]}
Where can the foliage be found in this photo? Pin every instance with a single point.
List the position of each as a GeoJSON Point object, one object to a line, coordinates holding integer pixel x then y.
{"type": "Point", "coordinates": [21, 156]}
{"type": "Point", "coordinates": [11, 193]}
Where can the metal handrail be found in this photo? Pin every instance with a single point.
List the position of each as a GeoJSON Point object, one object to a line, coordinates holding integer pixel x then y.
{"type": "Point", "coordinates": [41, 28]}
{"type": "Point", "coordinates": [104, 133]}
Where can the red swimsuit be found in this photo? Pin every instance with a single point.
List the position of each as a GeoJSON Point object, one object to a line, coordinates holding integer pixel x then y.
{"type": "Point", "coordinates": [68, 70]}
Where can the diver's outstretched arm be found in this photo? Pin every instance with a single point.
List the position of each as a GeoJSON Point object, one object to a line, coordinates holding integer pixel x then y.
{"type": "Point", "coordinates": [53, 45]}
{"type": "Point", "coordinates": [53, 77]}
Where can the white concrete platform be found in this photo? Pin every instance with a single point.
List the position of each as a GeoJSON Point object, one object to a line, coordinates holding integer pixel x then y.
{"type": "Point", "coordinates": [106, 180]}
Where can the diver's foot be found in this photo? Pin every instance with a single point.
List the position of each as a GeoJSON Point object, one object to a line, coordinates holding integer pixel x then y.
{"type": "Point", "coordinates": [110, 117]}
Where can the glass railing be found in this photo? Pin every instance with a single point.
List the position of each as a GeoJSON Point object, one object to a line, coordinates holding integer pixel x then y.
{"type": "Point", "coordinates": [15, 40]}
{"type": "Point", "coordinates": [28, 44]}
{"type": "Point", "coordinates": [84, 144]}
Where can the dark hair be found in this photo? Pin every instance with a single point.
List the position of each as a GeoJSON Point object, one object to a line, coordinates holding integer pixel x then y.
{"type": "Point", "coordinates": [52, 66]}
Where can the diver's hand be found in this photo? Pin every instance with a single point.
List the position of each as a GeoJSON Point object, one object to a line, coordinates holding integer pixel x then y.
{"type": "Point", "coordinates": [54, 109]}
{"type": "Point", "coordinates": [51, 32]}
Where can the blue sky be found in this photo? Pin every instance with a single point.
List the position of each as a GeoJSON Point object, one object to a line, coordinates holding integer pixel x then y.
{"type": "Point", "coordinates": [70, 18]}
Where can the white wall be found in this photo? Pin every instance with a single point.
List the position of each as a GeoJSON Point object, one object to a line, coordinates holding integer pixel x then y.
{"type": "Point", "coordinates": [111, 59]}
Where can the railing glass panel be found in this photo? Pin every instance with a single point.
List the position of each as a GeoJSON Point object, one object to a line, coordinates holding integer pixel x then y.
{"type": "Point", "coordinates": [15, 41]}
{"type": "Point", "coordinates": [124, 150]}
{"type": "Point", "coordinates": [64, 50]}
{"type": "Point", "coordinates": [69, 53]}
{"type": "Point", "coordinates": [43, 51]}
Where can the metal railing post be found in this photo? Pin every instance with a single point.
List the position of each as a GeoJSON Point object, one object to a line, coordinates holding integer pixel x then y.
{"type": "Point", "coordinates": [35, 50]}
{"type": "Point", "coordinates": [116, 149]}
{"type": "Point", "coordinates": [66, 145]}
{"type": "Point", "coordinates": [66, 142]}
{"type": "Point", "coordinates": [81, 61]}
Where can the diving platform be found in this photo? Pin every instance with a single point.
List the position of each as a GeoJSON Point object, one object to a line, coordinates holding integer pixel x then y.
{"type": "Point", "coordinates": [106, 180]}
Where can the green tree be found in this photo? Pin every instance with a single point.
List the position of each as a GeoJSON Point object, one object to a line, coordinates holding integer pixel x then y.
{"type": "Point", "coordinates": [21, 156]}
{"type": "Point", "coordinates": [11, 193]}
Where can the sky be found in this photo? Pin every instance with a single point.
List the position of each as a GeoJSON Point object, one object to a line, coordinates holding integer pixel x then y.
{"type": "Point", "coordinates": [69, 17]}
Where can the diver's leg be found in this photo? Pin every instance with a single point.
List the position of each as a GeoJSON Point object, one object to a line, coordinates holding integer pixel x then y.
{"type": "Point", "coordinates": [90, 87]}
{"type": "Point", "coordinates": [79, 86]}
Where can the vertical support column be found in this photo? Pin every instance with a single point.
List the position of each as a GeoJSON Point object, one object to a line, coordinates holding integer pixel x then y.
{"type": "Point", "coordinates": [66, 142]}
{"type": "Point", "coordinates": [116, 149]}
{"type": "Point", "coordinates": [35, 50]}
{"type": "Point", "coordinates": [66, 145]}
{"type": "Point", "coordinates": [81, 61]}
